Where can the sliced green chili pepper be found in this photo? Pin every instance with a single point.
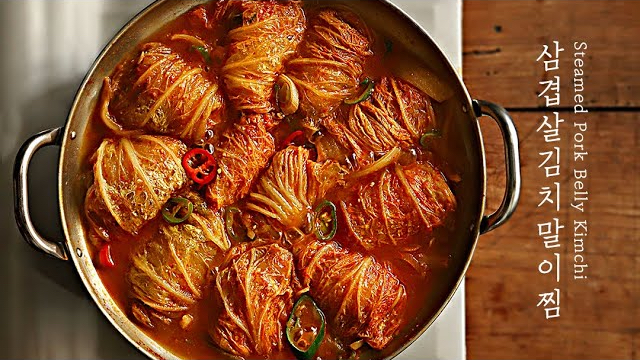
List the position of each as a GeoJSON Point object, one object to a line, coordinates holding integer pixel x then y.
{"type": "Point", "coordinates": [177, 210]}
{"type": "Point", "coordinates": [204, 52]}
{"type": "Point", "coordinates": [305, 328]}
{"type": "Point", "coordinates": [326, 224]}
{"type": "Point", "coordinates": [230, 222]}
{"type": "Point", "coordinates": [368, 83]}
{"type": "Point", "coordinates": [424, 139]}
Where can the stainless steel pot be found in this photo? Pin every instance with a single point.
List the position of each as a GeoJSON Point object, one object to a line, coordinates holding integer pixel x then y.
{"type": "Point", "coordinates": [466, 152]}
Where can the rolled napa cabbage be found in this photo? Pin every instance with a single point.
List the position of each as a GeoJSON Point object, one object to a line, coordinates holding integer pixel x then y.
{"type": "Point", "coordinates": [269, 33]}
{"type": "Point", "coordinates": [396, 115]}
{"type": "Point", "coordinates": [361, 297]}
{"type": "Point", "coordinates": [172, 266]}
{"type": "Point", "coordinates": [161, 93]}
{"type": "Point", "coordinates": [243, 153]}
{"type": "Point", "coordinates": [254, 287]}
{"type": "Point", "coordinates": [133, 178]}
{"type": "Point", "coordinates": [292, 185]}
{"type": "Point", "coordinates": [390, 206]}
{"type": "Point", "coordinates": [330, 61]}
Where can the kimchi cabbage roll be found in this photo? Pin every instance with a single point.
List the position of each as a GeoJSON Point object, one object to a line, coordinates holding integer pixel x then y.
{"type": "Point", "coordinates": [292, 185]}
{"type": "Point", "coordinates": [171, 268]}
{"type": "Point", "coordinates": [393, 205]}
{"type": "Point", "coordinates": [362, 298]}
{"type": "Point", "coordinates": [243, 153]}
{"type": "Point", "coordinates": [103, 225]}
{"type": "Point", "coordinates": [133, 178]}
{"type": "Point", "coordinates": [396, 115]}
{"type": "Point", "coordinates": [269, 33]}
{"type": "Point", "coordinates": [162, 93]}
{"type": "Point", "coordinates": [330, 61]}
{"type": "Point", "coordinates": [254, 286]}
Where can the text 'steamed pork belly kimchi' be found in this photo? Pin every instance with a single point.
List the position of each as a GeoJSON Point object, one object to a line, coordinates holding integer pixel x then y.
{"type": "Point", "coordinates": [264, 186]}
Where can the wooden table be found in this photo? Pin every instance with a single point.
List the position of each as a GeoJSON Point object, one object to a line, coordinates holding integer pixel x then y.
{"type": "Point", "coordinates": [600, 316]}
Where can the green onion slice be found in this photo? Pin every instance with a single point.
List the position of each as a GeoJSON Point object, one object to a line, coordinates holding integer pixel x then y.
{"type": "Point", "coordinates": [368, 84]}
{"type": "Point", "coordinates": [204, 52]}
{"type": "Point", "coordinates": [326, 220]}
{"type": "Point", "coordinates": [305, 328]}
{"type": "Point", "coordinates": [177, 210]}
{"type": "Point", "coordinates": [424, 139]}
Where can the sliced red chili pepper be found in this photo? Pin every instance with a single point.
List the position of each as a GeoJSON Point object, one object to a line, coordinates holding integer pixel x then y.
{"type": "Point", "coordinates": [104, 257]}
{"type": "Point", "coordinates": [291, 139]}
{"type": "Point", "coordinates": [199, 165]}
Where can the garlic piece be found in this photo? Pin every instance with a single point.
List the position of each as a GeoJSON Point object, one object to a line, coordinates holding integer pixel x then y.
{"type": "Point", "coordinates": [287, 95]}
{"type": "Point", "coordinates": [186, 321]}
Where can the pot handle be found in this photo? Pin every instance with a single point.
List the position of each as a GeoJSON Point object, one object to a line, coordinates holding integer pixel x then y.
{"type": "Point", "coordinates": [21, 192]}
{"type": "Point", "coordinates": [512, 164]}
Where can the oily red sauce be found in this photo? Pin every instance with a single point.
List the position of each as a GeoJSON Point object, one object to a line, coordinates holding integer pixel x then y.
{"type": "Point", "coordinates": [194, 342]}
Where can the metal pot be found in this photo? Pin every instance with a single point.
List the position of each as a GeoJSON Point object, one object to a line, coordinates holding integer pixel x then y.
{"type": "Point", "coordinates": [465, 146]}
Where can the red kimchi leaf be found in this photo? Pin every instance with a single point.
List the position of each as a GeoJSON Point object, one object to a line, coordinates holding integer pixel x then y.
{"type": "Point", "coordinates": [244, 152]}
{"type": "Point", "coordinates": [397, 115]}
{"type": "Point", "coordinates": [269, 33]}
{"type": "Point", "coordinates": [362, 298]}
{"type": "Point", "coordinates": [330, 62]}
{"type": "Point", "coordinates": [170, 269]}
{"type": "Point", "coordinates": [161, 93]}
{"type": "Point", "coordinates": [133, 178]}
{"type": "Point", "coordinates": [403, 201]}
{"type": "Point", "coordinates": [411, 107]}
{"type": "Point", "coordinates": [254, 288]}
{"type": "Point", "coordinates": [292, 185]}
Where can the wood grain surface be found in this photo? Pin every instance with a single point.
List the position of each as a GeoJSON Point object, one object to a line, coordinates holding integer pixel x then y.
{"type": "Point", "coordinates": [502, 40]}
{"type": "Point", "coordinates": [600, 316]}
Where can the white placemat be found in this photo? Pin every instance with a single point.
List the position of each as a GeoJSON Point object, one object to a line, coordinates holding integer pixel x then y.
{"type": "Point", "coordinates": [445, 339]}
